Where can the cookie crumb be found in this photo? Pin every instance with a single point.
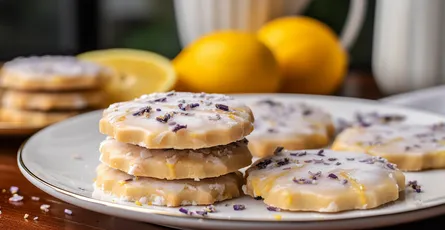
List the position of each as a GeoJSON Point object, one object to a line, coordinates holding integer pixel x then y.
{"type": "Point", "coordinates": [15, 198]}
{"type": "Point", "coordinates": [68, 212]}
{"type": "Point", "coordinates": [45, 207]}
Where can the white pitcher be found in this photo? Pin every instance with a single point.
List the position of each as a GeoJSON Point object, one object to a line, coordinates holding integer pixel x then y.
{"type": "Point", "coordinates": [198, 17]}
{"type": "Point", "coordinates": [408, 49]}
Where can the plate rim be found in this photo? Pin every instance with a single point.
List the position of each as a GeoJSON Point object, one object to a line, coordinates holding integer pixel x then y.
{"type": "Point", "coordinates": [24, 168]}
{"type": "Point", "coordinates": [397, 99]}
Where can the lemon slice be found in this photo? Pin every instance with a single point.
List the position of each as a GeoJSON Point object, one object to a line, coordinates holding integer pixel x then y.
{"type": "Point", "coordinates": [133, 72]}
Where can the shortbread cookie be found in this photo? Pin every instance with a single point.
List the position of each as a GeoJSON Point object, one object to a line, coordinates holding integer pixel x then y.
{"type": "Point", "coordinates": [178, 120]}
{"type": "Point", "coordinates": [292, 125]}
{"type": "Point", "coordinates": [145, 190]}
{"type": "Point", "coordinates": [369, 118]}
{"type": "Point", "coordinates": [175, 164]}
{"type": "Point", "coordinates": [33, 118]}
{"type": "Point", "coordinates": [410, 147]}
{"type": "Point", "coordinates": [51, 73]}
{"type": "Point", "coordinates": [324, 180]}
{"type": "Point", "coordinates": [44, 101]}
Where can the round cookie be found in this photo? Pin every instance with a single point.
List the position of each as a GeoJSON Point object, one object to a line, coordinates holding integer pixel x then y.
{"type": "Point", "coordinates": [145, 190]}
{"type": "Point", "coordinates": [51, 73]}
{"type": "Point", "coordinates": [410, 147]}
{"type": "Point", "coordinates": [366, 119]}
{"type": "Point", "coordinates": [33, 118]}
{"type": "Point", "coordinates": [292, 125]}
{"type": "Point", "coordinates": [173, 164]}
{"type": "Point", "coordinates": [324, 181]}
{"type": "Point", "coordinates": [44, 101]}
{"type": "Point", "coordinates": [178, 120]}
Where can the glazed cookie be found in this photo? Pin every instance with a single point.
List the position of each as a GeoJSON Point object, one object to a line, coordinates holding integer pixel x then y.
{"type": "Point", "coordinates": [33, 118]}
{"type": "Point", "coordinates": [145, 190]}
{"type": "Point", "coordinates": [175, 164]}
{"type": "Point", "coordinates": [368, 119]}
{"type": "Point", "coordinates": [324, 181]}
{"type": "Point", "coordinates": [410, 147]}
{"type": "Point", "coordinates": [292, 125]}
{"type": "Point", "coordinates": [51, 73]}
{"type": "Point", "coordinates": [44, 101]}
{"type": "Point", "coordinates": [178, 120]}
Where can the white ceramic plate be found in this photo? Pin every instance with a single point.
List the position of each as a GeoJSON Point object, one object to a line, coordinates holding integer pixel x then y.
{"type": "Point", "coordinates": [430, 99]}
{"type": "Point", "coordinates": [48, 161]}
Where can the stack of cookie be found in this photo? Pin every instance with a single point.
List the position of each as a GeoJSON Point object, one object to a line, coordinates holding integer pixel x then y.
{"type": "Point", "coordinates": [42, 90]}
{"type": "Point", "coordinates": [173, 149]}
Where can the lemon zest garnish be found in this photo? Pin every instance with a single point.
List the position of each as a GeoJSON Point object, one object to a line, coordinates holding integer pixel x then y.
{"type": "Point", "coordinates": [358, 187]}
{"type": "Point", "coordinates": [277, 217]}
{"type": "Point", "coordinates": [171, 168]}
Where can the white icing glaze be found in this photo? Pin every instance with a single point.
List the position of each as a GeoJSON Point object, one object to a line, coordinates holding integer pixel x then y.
{"type": "Point", "coordinates": [370, 118]}
{"type": "Point", "coordinates": [397, 139]}
{"type": "Point", "coordinates": [198, 119]}
{"type": "Point", "coordinates": [45, 66]}
{"type": "Point", "coordinates": [333, 207]}
{"type": "Point", "coordinates": [279, 119]}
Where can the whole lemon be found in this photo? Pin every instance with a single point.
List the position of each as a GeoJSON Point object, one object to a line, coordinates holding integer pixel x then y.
{"type": "Point", "coordinates": [227, 62]}
{"type": "Point", "coordinates": [309, 53]}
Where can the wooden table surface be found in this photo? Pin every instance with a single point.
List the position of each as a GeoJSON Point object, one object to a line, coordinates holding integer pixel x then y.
{"type": "Point", "coordinates": [358, 84]}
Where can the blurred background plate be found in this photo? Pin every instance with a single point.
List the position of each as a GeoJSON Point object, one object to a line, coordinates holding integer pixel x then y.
{"type": "Point", "coordinates": [430, 99]}
{"type": "Point", "coordinates": [14, 129]}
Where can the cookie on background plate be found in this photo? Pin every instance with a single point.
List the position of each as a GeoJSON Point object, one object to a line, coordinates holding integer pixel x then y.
{"type": "Point", "coordinates": [33, 117]}
{"type": "Point", "coordinates": [410, 147]}
{"type": "Point", "coordinates": [324, 180]}
{"type": "Point", "coordinates": [292, 125]}
{"type": "Point", "coordinates": [51, 73]}
{"type": "Point", "coordinates": [175, 164]}
{"type": "Point", "coordinates": [45, 101]}
{"type": "Point", "coordinates": [150, 191]}
{"type": "Point", "coordinates": [178, 120]}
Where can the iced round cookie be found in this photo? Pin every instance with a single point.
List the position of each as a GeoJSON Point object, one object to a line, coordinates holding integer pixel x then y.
{"type": "Point", "coordinates": [292, 125]}
{"type": "Point", "coordinates": [178, 120]}
{"type": "Point", "coordinates": [145, 190]}
{"type": "Point", "coordinates": [410, 147]}
{"type": "Point", "coordinates": [175, 164]}
{"type": "Point", "coordinates": [369, 118]}
{"type": "Point", "coordinates": [51, 73]}
{"type": "Point", "coordinates": [45, 101]}
{"type": "Point", "coordinates": [324, 180]}
{"type": "Point", "coordinates": [33, 118]}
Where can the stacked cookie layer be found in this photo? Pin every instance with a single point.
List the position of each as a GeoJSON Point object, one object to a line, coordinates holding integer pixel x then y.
{"type": "Point", "coordinates": [42, 90]}
{"type": "Point", "coordinates": [174, 149]}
